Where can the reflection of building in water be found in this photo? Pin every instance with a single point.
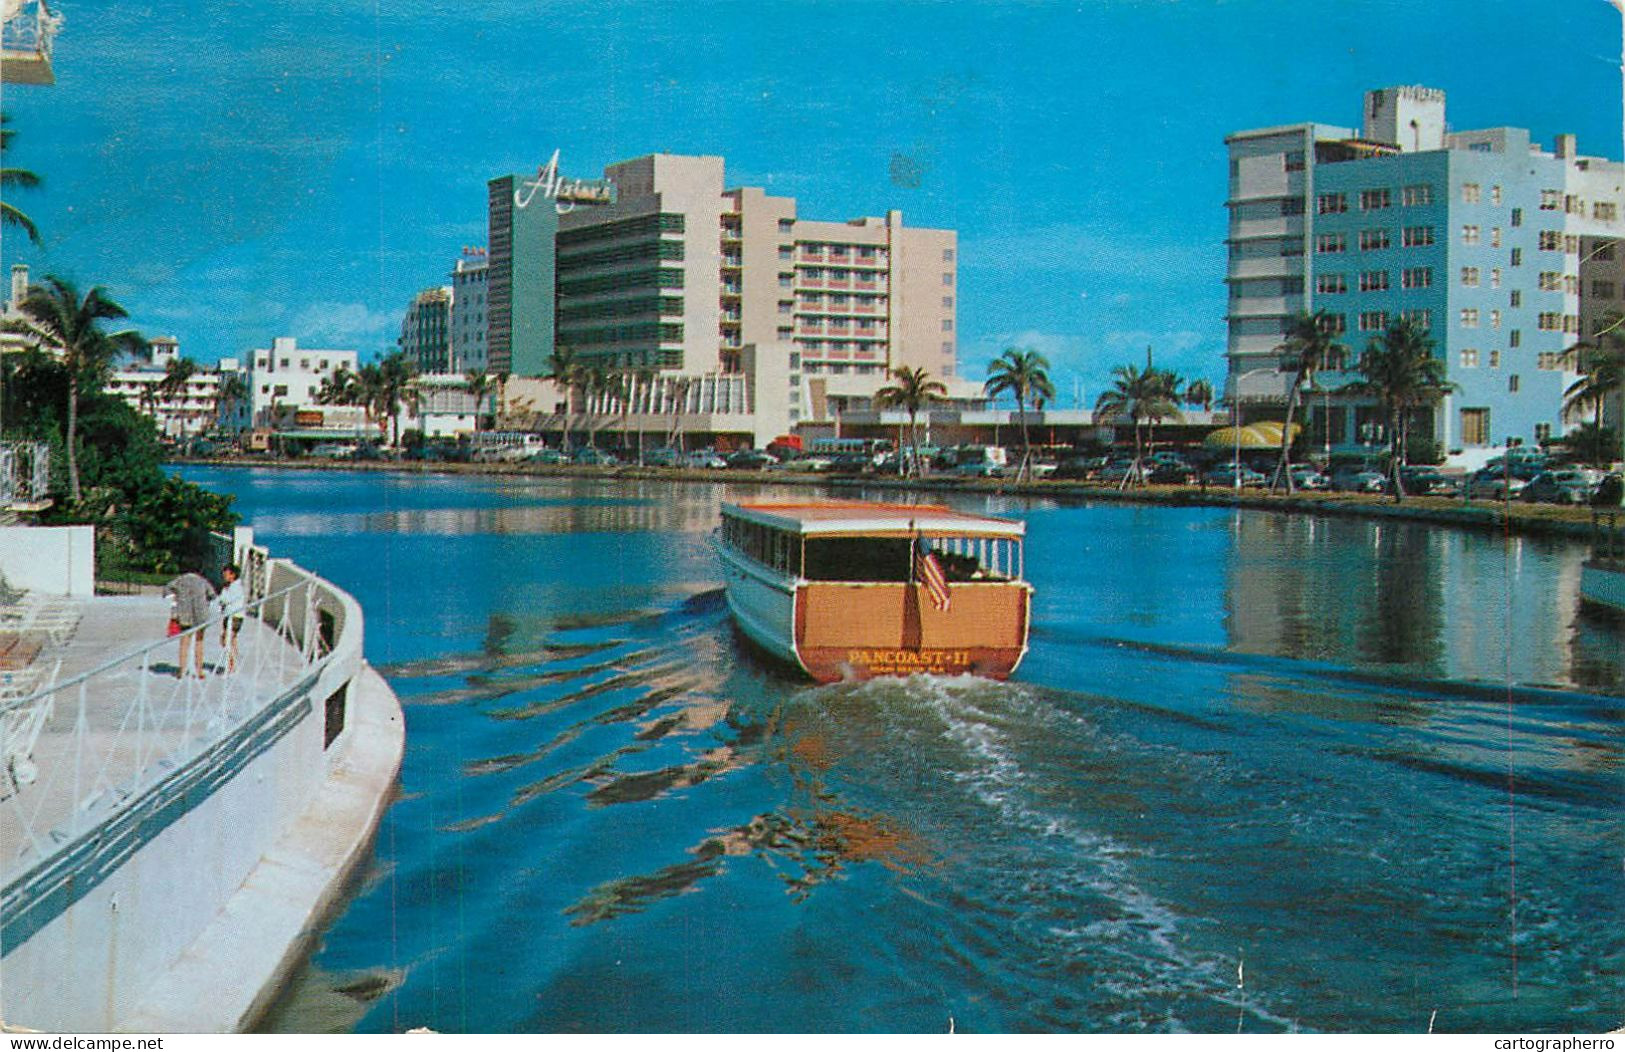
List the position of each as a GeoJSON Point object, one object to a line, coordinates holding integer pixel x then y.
{"type": "Point", "coordinates": [1447, 604]}
{"type": "Point", "coordinates": [574, 517]}
{"type": "Point", "coordinates": [1334, 590]}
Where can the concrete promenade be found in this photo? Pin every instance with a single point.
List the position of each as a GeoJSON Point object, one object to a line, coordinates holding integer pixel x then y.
{"type": "Point", "coordinates": [237, 967]}
{"type": "Point", "coordinates": [183, 839]}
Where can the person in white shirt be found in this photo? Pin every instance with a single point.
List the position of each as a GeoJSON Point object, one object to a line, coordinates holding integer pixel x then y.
{"type": "Point", "coordinates": [233, 604]}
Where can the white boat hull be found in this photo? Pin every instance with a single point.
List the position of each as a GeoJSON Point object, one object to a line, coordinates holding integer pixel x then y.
{"type": "Point", "coordinates": [1603, 585]}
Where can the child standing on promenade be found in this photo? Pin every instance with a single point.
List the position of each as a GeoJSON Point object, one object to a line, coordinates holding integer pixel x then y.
{"type": "Point", "coordinates": [233, 604]}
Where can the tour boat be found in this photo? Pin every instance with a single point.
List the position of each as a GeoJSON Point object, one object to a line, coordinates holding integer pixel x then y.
{"type": "Point", "coordinates": [852, 589]}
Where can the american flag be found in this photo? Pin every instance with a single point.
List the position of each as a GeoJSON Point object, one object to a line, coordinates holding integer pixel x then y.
{"type": "Point", "coordinates": [929, 571]}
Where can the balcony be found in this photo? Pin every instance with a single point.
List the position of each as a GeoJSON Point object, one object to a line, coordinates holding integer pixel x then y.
{"type": "Point", "coordinates": [1264, 306]}
{"type": "Point", "coordinates": [25, 43]}
{"type": "Point", "coordinates": [1267, 267]}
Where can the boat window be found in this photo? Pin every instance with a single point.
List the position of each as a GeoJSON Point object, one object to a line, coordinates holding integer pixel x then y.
{"type": "Point", "coordinates": [857, 559]}
{"type": "Point", "coordinates": [978, 558]}
{"type": "Point", "coordinates": [778, 549]}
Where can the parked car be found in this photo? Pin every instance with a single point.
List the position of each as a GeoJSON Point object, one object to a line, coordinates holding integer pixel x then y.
{"type": "Point", "coordinates": [812, 462]}
{"type": "Point", "coordinates": [1428, 482]}
{"type": "Point", "coordinates": [1495, 484]}
{"type": "Point", "coordinates": [704, 459]}
{"type": "Point", "coordinates": [1225, 475]}
{"type": "Point", "coordinates": [1080, 467]}
{"type": "Point", "coordinates": [594, 457]}
{"type": "Point", "coordinates": [751, 460]}
{"type": "Point", "coordinates": [1118, 470]}
{"type": "Point", "coordinates": [979, 469]}
{"type": "Point", "coordinates": [662, 458]}
{"type": "Point", "coordinates": [1564, 486]}
{"type": "Point", "coordinates": [547, 456]}
{"type": "Point", "coordinates": [334, 451]}
{"type": "Point", "coordinates": [1358, 480]}
{"type": "Point", "coordinates": [1173, 474]}
{"type": "Point", "coordinates": [1307, 477]}
{"type": "Point", "coordinates": [852, 463]}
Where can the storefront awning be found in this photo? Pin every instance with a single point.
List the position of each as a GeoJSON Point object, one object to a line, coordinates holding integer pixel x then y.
{"type": "Point", "coordinates": [1261, 434]}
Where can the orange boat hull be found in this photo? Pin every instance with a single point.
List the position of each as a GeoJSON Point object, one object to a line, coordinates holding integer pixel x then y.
{"type": "Point", "coordinates": [849, 631]}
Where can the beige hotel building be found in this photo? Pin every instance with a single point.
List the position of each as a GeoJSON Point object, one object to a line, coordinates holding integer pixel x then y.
{"type": "Point", "coordinates": [755, 320]}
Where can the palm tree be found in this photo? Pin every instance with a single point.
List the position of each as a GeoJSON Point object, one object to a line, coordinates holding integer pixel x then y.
{"type": "Point", "coordinates": [1147, 394]}
{"type": "Point", "coordinates": [1309, 346]}
{"type": "Point", "coordinates": [54, 313]}
{"type": "Point", "coordinates": [340, 387]}
{"type": "Point", "coordinates": [11, 178]}
{"type": "Point", "coordinates": [566, 371]}
{"type": "Point", "coordinates": [1024, 373]}
{"type": "Point", "coordinates": [598, 387]}
{"type": "Point", "coordinates": [643, 380]}
{"type": "Point", "coordinates": [1601, 365]}
{"type": "Point", "coordinates": [677, 388]}
{"type": "Point", "coordinates": [1400, 370]}
{"type": "Point", "coordinates": [1166, 389]}
{"type": "Point", "coordinates": [479, 386]}
{"type": "Point", "coordinates": [230, 395]}
{"type": "Point", "coordinates": [1199, 395]}
{"type": "Point", "coordinates": [914, 390]}
{"type": "Point", "coordinates": [177, 374]}
{"type": "Point", "coordinates": [394, 386]}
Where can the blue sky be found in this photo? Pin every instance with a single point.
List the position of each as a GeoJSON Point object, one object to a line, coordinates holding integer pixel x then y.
{"type": "Point", "coordinates": [233, 170]}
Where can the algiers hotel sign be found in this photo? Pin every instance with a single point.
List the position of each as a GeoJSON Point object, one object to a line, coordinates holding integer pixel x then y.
{"type": "Point", "coordinates": [564, 193]}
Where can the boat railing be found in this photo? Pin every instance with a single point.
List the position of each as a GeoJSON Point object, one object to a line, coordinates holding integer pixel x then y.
{"type": "Point", "coordinates": [77, 751]}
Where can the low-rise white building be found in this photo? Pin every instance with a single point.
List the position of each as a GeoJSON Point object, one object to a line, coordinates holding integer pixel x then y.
{"type": "Point", "coordinates": [286, 376]}
{"type": "Point", "coordinates": [192, 410]}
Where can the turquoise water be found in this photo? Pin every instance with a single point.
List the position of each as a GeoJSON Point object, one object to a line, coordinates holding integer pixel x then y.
{"type": "Point", "coordinates": [1258, 772]}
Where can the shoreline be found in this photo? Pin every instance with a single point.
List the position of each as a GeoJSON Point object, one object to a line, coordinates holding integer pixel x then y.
{"type": "Point", "coordinates": [1513, 518]}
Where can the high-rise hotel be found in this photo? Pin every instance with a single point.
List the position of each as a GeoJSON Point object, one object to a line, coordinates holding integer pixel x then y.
{"type": "Point", "coordinates": [660, 267]}
{"type": "Point", "coordinates": [1482, 236]}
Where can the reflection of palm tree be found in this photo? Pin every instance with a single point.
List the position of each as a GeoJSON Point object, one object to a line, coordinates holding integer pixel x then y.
{"type": "Point", "coordinates": [11, 178]}
{"type": "Point", "coordinates": [913, 391]}
{"type": "Point", "coordinates": [1024, 373]}
{"type": "Point", "coordinates": [1309, 346]}
{"type": "Point", "coordinates": [1400, 370]}
{"type": "Point", "coordinates": [54, 313]}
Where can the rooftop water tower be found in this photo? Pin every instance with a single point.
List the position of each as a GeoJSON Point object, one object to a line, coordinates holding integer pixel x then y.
{"type": "Point", "coordinates": [1411, 118]}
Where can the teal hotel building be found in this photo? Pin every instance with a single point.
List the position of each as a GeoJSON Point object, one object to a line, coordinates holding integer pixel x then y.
{"type": "Point", "coordinates": [1478, 235]}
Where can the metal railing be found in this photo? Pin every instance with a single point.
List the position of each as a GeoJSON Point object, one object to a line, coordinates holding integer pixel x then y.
{"type": "Point", "coordinates": [77, 751]}
{"type": "Point", "coordinates": [25, 473]}
{"type": "Point", "coordinates": [30, 28]}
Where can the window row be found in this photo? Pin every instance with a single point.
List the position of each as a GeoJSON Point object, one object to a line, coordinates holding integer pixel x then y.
{"type": "Point", "coordinates": [1374, 200]}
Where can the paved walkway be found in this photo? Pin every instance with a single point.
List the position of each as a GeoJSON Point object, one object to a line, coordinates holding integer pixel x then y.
{"type": "Point", "coordinates": [135, 713]}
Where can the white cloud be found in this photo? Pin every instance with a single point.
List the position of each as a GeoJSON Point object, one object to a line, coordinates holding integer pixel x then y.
{"type": "Point", "coordinates": [341, 324]}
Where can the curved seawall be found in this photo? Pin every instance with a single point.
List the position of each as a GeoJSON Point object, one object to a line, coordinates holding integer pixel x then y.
{"type": "Point", "coordinates": [175, 894]}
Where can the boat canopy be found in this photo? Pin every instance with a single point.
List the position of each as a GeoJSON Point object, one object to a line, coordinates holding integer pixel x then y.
{"type": "Point", "coordinates": [864, 519]}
